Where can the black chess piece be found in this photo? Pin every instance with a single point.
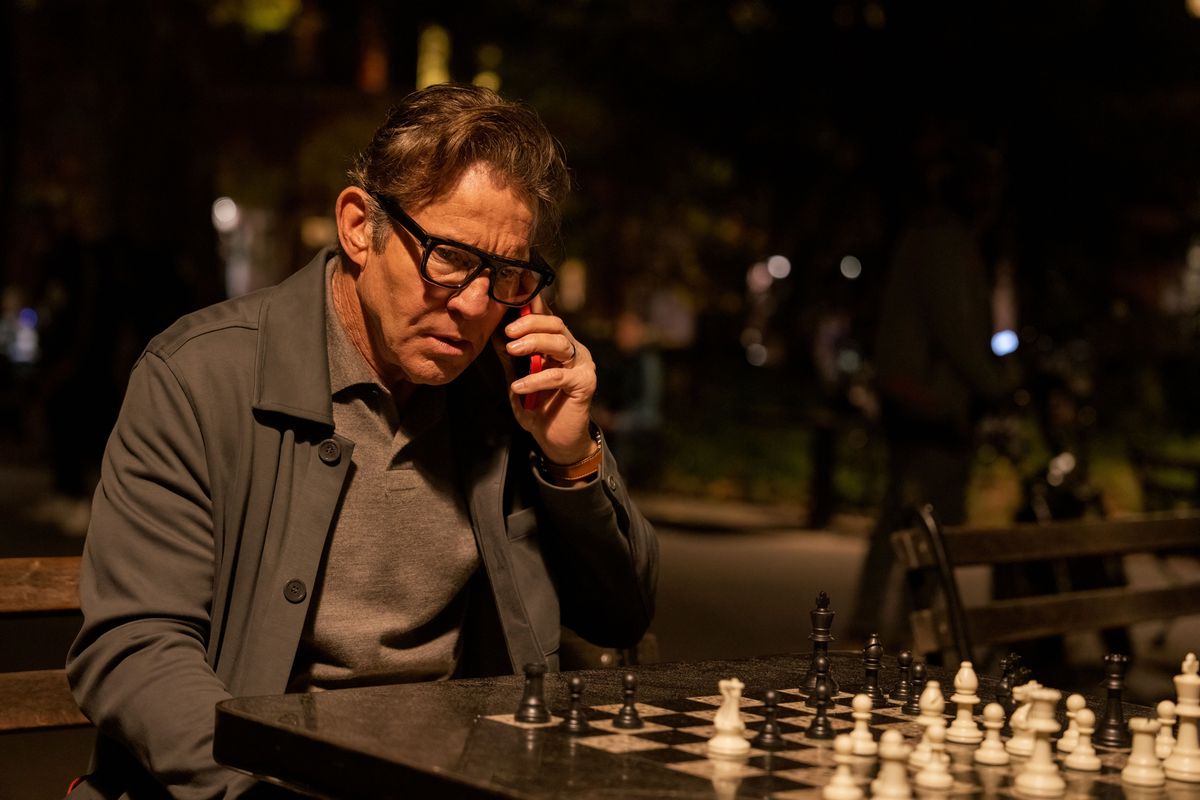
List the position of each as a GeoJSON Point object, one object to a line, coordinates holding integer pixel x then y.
{"type": "Point", "coordinates": [872, 655]}
{"type": "Point", "coordinates": [820, 727]}
{"type": "Point", "coordinates": [911, 707]}
{"type": "Point", "coordinates": [533, 703]}
{"type": "Point", "coordinates": [769, 736]}
{"type": "Point", "coordinates": [1111, 732]}
{"type": "Point", "coordinates": [821, 664]}
{"type": "Point", "coordinates": [627, 717]}
{"type": "Point", "coordinates": [902, 687]}
{"type": "Point", "coordinates": [575, 722]}
{"type": "Point", "coordinates": [822, 624]}
{"type": "Point", "coordinates": [1004, 695]}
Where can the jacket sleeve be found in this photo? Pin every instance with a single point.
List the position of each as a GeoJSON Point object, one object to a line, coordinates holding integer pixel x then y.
{"type": "Point", "coordinates": [138, 667]}
{"type": "Point", "coordinates": [603, 555]}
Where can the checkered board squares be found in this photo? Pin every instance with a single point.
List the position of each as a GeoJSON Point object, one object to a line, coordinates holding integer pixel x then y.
{"type": "Point", "coordinates": [676, 734]}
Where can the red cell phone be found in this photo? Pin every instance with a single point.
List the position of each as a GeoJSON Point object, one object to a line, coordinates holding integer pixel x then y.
{"type": "Point", "coordinates": [528, 366]}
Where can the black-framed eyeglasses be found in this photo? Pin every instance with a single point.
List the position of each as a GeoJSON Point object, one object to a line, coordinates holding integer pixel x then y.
{"type": "Point", "coordinates": [453, 265]}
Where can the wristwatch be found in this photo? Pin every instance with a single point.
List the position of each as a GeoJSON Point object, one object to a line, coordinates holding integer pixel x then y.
{"type": "Point", "coordinates": [585, 467]}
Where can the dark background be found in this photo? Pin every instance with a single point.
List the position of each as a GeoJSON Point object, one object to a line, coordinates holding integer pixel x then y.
{"type": "Point", "coordinates": [704, 137]}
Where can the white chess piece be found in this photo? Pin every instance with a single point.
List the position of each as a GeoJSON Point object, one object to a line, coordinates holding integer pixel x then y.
{"type": "Point", "coordinates": [1070, 736]}
{"type": "Point", "coordinates": [936, 773]}
{"type": "Point", "coordinates": [728, 742]}
{"type": "Point", "coordinates": [1143, 768]}
{"type": "Point", "coordinates": [933, 706]}
{"type": "Point", "coordinates": [1040, 777]}
{"type": "Point", "coordinates": [861, 739]}
{"type": "Point", "coordinates": [1083, 757]}
{"type": "Point", "coordinates": [891, 782]}
{"type": "Point", "coordinates": [842, 785]}
{"type": "Point", "coordinates": [1184, 762]}
{"type": "Point", "coordinates": [1021, 743]}
{"type": "Point", "coordinates": [992, 750]}
{"type": "Point", "coordinates": [966, 687]}
{"type": "Point", "coordinates": [1166, 734]}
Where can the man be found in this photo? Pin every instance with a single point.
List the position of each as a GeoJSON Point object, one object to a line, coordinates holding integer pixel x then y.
{"type": "Point", "coordinates": [936, 374]}
{"type": "Point", "coordinates": [337, 481]}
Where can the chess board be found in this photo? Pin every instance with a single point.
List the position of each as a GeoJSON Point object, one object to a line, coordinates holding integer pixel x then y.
{"type": "Point", "coordinates": [676, 733]}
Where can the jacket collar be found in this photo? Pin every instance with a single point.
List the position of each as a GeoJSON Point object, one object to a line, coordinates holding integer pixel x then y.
{"type": "Point", "coordinates": [293, 363]}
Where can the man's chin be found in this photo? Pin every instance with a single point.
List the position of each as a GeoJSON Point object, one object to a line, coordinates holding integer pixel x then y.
{"type": "Point", "coordinates": [437, 371]}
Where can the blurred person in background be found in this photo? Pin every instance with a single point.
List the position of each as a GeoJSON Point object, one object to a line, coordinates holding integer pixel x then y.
{"type": "Point", "coordinates": [337, 481]}
{"type": "Point", "coordinates": [936, 373]}
{"type": "Point", "coordinates": [629, 400]}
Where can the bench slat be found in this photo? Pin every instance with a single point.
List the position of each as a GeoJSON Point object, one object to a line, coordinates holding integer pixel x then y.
{"type": "Point", "coordinates": [37, 700]}
{"type": "Point", "coordinates": [1025, 618]}
{"type": "Point", "coordinates": [1031, 542]}
{"type": "Point", "coordinates": [39, 585]}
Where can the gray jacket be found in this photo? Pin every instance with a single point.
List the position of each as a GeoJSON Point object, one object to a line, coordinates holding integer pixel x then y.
{"type": "Point", "coordinates": [218, 490]}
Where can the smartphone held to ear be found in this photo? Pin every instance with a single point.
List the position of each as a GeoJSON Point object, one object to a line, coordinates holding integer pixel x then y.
{"type": "Point", "coordinates": [527, 365]}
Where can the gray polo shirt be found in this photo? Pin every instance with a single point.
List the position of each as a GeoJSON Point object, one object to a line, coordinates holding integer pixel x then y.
{"type": "Point", "coordinates": [390, 599]}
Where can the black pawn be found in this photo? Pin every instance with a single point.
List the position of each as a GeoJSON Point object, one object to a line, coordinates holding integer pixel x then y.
{"type": "Point", "coordinates": [627, 717]}
{"type": "Point", "coordinates": [1111, 732]}
{"type": "Point", "coordinates": [901, 690]}
{"type": "Point", "coordinates": [575, 722]}
{"type": "Point", "coordinates": [821, 676]}
{"type": "Point", "coordinates": [821, 727]}
{"type": "Point", "coordinates": [533, 703]}
{"type": "Point", "coordinates": [769, 736]}
{"type": "Point", "coordinates": [822, 624]}
{"type": "Point", "coordinates": [912, 706]}
{"type": "Point", "coordinates": [872, 655]}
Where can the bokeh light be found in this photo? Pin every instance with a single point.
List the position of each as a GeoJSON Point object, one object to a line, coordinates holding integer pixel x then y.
{"type": "Point", "coordinates": [1004, 342]}
{"type": "Point", "coordinates": [779, 267]}
{"type": "Point", "coordinates": [225, 214]}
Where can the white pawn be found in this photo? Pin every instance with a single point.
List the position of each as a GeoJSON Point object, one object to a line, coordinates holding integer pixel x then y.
{"type": "Point", "coordinates": [935, 774]}
{"type": "Point", "coordinates": [1166, 734]}
{"type": "Point", "coordinates": [1184, 762]}
{"type": "Point", "coordinates": [1040, 776]}
{"type": "Point", "coordinates": [1143, 768]}
{"type": "Point", "coordinates": [1070, 736]}
{"type": "Point", "coordinates": [861, 739]}
{"type": "Point", "coordinates": [1021, 743]}
{"type": "Point", "coordinates": [992, 750]}
{"type": "Point", "coordinates": [728, 742]}
{"type": "Point", "coordinates": [1083, 757]}
{"type": "Point", "coordinates": [933, 706]}
{"type": "Point", "coordinates": [843, 786]}
{"type": "Point", "coordinates": [966, 686]}
{"type": "Point", "coordinates": [891, 781]}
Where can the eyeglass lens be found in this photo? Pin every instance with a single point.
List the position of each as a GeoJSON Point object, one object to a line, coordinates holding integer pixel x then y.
{"type": "Point", "coordinates": [453, 267]}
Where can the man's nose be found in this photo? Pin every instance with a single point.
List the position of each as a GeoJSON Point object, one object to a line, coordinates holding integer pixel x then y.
{"type": "Point", "coordinates": [472, 300]}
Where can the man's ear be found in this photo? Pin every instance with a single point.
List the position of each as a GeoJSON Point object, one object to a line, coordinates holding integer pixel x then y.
{"type": "Point", "coordinates": [354, 224]}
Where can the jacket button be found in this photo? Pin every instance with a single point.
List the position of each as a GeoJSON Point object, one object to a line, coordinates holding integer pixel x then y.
{"type": "Point", "coordinates": [330, 452]}
{"type": "Point", "coordinates": [295, 591]}
{"type": "Point", "coordinates": [612, 482]}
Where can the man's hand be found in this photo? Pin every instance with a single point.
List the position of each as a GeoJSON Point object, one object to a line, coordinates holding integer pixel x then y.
{"type": "Point", "coordinates": [564, 388]}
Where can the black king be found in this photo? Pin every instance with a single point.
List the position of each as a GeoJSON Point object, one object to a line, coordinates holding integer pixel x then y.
{"type": "Point", "coordinates": [822, 624]}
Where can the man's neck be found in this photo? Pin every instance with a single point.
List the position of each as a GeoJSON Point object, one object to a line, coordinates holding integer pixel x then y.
{"type": "Point", "coordinates": [350, 316]}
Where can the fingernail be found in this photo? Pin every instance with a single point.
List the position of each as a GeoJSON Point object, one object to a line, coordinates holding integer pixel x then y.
{"type": "Point", "coordinates": [518, 346]}
{"type": "Point", "coordinates": [518, 385]}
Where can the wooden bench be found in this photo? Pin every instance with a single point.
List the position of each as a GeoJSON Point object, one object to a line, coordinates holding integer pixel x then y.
{"type": "Point", "coordinates": [946, 625]}
{"type": "Point", "coordinates": [1167, 481]}
{"type": "Point", "coordinates": [31, 588]}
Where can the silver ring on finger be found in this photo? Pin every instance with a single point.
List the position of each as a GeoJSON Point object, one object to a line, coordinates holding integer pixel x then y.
{"type": "Point", "coordinates": [572, 356]}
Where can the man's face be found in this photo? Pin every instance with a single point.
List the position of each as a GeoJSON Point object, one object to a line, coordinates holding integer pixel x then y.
{"type": "Point", "coordinates": [425, 334]}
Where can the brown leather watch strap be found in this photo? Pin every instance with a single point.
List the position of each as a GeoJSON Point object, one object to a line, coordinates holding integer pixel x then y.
{"type": "Point", "coordinates": [583, 468]}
